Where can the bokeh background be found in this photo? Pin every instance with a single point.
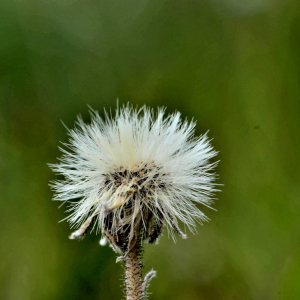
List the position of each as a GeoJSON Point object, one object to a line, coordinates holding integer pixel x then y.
{"type": "Point", "coordinates": [232, 65]}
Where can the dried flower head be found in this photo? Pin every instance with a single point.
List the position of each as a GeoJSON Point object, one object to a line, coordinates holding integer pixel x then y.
{"type": "Point", "coordinates": [133, 174]}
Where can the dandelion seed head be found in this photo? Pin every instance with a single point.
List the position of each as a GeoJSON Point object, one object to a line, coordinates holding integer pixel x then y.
{"type": "Point", "coordinates": [133, 174]}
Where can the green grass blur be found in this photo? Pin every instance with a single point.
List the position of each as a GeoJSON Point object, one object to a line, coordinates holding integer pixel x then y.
{"type": "Point", "coordinates": [234, 66]}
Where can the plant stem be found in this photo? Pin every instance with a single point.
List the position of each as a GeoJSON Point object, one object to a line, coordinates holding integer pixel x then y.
{"type": "Point", "coordinates": [133, 273]}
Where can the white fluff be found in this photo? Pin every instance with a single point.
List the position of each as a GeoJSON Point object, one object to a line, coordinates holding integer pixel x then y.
{"type": "Point", "coordinates": [135, 138]}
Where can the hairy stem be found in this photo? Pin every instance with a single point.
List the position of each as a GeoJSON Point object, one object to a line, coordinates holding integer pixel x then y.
{"type": "Point", "coordinates": [133, 273]}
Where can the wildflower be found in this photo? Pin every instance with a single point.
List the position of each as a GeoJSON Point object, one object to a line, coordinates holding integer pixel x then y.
{"type": "Point", "coordinates": [134, 174]}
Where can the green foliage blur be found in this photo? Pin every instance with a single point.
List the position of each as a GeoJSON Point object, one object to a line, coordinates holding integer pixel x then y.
{"type": "Point", "coordinates": [233, 66]}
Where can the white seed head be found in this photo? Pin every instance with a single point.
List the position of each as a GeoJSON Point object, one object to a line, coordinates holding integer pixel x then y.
{"type": "Point", "coordinates": [135, 173]}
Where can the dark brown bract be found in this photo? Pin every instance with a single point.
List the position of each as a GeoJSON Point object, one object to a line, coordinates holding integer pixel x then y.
{"type": "Point", "coordinates": [130, 215]}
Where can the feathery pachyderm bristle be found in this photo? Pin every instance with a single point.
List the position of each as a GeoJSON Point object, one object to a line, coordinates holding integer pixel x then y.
{"type": "Point", "coordinates": [134, 174]}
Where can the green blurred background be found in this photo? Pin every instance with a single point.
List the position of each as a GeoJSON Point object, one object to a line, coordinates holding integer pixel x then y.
{"type": "Point", "coordinates": [233, 65]}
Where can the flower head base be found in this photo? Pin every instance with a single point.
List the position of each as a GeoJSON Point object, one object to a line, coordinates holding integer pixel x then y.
{"type": "Point", "coordinates": [134, 174]}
